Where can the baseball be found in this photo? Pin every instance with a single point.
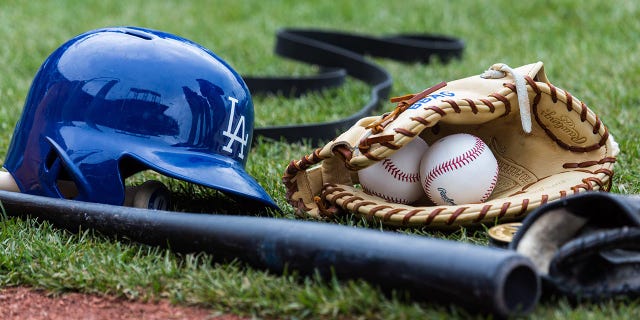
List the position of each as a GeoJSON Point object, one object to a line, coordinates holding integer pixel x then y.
{"type": "Point", "coordinates": [397, 177]}
{"type": "Point", "coordinates": [458, 169]}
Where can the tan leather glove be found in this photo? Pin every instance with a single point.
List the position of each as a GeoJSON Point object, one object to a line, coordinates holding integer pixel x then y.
{"type": "Point", "coordinates": [548, 145]}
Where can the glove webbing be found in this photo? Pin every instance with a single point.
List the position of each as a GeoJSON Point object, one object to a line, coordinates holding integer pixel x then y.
{"type": "Point", "coordinates": [340, 54]}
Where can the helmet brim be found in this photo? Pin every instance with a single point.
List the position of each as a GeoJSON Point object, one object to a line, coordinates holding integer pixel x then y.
{"type": "Point", "coordinates": [209, 170]}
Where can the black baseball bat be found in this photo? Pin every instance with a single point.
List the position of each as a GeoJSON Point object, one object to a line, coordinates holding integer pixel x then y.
{"type": "Point", "coordinates": [480, 279]}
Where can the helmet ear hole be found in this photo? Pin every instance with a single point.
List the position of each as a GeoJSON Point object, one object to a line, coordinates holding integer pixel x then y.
{"type": "Point", "coordinates": [57, 172]}
{"type": "Point", "coordinates": [52, 156]}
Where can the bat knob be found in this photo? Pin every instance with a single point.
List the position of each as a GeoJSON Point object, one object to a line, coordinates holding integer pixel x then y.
{"type": "Point", "coordinates": [151, 194]}
{"type": "Point", "coordinates": [7, 183]}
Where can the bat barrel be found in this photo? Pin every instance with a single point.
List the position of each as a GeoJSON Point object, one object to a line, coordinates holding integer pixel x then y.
{"type": "Point", "coordinates": [481, 279]}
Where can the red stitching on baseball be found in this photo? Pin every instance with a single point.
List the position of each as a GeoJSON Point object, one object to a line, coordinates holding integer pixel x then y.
{"type": "Point", "coordinates": [399, 174]}
{"type": "Point", "coordinates": [384, 196]}
{"type": "Point", "coordinates": [454, 163]}
{"type": "Point", "coordinates": [494, 180]}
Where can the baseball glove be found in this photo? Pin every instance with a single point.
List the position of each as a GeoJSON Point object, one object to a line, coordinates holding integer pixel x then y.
{"type": "Point", "coordinates": [548, 144]}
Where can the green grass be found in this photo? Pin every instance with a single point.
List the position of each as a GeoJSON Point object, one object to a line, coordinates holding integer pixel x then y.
{"type": "Point", "coordinates": [590, 48]}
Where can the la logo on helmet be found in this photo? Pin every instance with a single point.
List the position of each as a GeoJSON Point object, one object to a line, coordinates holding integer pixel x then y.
{"type": "Point", "coordinates": [243, 138]}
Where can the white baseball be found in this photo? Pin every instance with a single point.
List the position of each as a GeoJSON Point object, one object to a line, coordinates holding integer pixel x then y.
{"type": "Point", "coordinates": [458, 169]}
{"type": "Point", "coordinates": [397, 177]}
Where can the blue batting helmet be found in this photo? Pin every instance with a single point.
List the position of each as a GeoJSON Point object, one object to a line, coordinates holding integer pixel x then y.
{"type": "Point", "coordinates": [112, 102]}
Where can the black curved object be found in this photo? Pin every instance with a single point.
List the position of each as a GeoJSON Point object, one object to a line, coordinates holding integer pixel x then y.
{"type": "Point", "coordinates": [340, 54]}
{"type": "Point", "coordinates": [481, 279]}
{"type": "Point", "coordinates": [590, 247]}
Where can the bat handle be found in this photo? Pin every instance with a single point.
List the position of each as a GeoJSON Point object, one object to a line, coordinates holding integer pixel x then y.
{"type": "Point", "coordinates": [151, 194]}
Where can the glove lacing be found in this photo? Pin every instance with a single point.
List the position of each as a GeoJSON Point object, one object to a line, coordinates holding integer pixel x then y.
{"type": "Point", "coordinates": [496, 71]}
{"type": "Point", "coordinates": [500, 70]}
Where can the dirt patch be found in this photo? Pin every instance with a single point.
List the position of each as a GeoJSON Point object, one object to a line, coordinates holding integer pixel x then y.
{"type": "Point", "coordinates": [26, 303]}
